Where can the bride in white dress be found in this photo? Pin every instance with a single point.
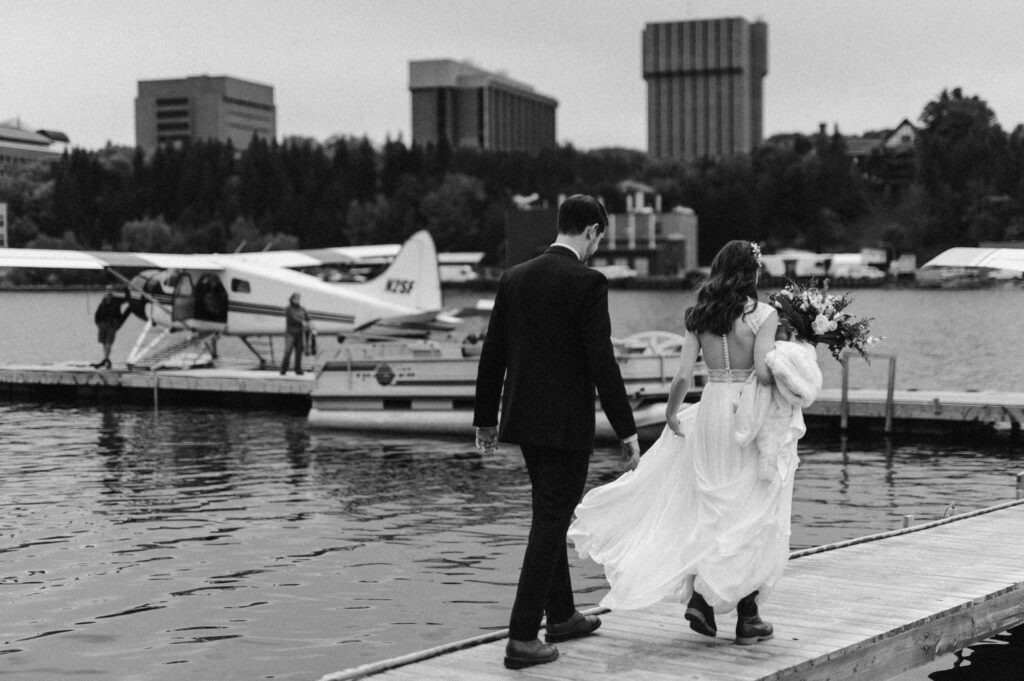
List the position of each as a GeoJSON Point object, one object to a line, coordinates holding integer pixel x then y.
{"type": "Point", "coordinates": [697, 521]}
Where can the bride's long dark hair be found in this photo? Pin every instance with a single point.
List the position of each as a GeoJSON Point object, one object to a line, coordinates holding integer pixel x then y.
{"type": "Point", "coordinates": [725, 294]}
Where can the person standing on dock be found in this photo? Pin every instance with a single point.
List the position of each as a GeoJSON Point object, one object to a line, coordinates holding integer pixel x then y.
{"type": "Point", "coordinates": [109, 317]}
{"type": "Point", "coordinates": [705, 518]}
{"type": "Point", "coordinates": [547, 346]}
{"type": "Point", "coordinates": [296, 323]}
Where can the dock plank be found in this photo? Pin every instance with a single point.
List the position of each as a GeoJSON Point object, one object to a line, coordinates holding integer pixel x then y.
{"type": "Point", "coordinates": [864, 611]}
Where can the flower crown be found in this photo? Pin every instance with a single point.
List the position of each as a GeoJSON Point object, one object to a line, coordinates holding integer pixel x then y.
{"type": "Point", "coordinates": [755, 250]}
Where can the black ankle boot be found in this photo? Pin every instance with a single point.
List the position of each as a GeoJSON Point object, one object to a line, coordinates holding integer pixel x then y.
{"type": "Point", "coordinates": [750, 628]}
{"type": "Point", "coordinates": [701, 616]}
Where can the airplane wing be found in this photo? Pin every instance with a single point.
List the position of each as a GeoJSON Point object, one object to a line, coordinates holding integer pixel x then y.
{"type": "Point", "coordinates": [98, 260]}
{"type": "Point", "coordinates": [315, 257]}
{"type": "Point", "coordinates": [995, 258]}
{"type": "Point", "coordinates": [42, 258]}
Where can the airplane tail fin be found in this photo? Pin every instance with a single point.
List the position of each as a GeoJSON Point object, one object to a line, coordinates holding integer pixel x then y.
{"type": "Point", "coordinates": [412, 278]}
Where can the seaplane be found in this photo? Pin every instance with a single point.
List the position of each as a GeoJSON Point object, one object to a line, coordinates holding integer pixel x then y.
{"type": "Point", "coordinates": [188, 301]}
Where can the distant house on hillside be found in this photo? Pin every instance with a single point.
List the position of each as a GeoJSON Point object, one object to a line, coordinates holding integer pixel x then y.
{"type": "Point", "coordinates": [903, 137]}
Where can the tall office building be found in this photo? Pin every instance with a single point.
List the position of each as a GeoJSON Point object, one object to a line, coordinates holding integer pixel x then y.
{"type": "Point", "coordinates": [704, 90]}
{"type": "Point", "coordinates": [203, 107]}
{"type": "Point", "coordinates": [470, 107]}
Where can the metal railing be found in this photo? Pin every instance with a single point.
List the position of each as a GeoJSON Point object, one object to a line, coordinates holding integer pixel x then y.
{"type": "Point", "coordinates": [844, 404]}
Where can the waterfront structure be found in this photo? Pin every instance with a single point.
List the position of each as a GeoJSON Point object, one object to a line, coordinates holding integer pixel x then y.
{"type": "Point", "coordinates": [643, 238]}
{"type": "Point", "coordinates": [704, 87]}
{"type": "Point", "coordinates": [20, 145]}
{"type": "Point", "coordinates": [203, 108]}
{"type": "Point", "coordinates": [466, 106]}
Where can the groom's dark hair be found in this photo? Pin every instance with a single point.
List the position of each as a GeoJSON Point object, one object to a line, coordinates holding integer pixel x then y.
{"type": "Point", "coordinates": [578, 211]}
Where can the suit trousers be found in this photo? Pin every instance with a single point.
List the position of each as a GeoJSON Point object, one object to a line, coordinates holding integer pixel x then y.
{"type": "Point", "coordinates": [557, 478]}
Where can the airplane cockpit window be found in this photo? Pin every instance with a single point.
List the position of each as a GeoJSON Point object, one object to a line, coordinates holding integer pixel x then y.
{"type": "Point", "coordinates": [240, 286]}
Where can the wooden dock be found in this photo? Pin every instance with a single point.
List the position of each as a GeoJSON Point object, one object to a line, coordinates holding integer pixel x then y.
{"type": "Point", "coordinates": [920, 410]}
{"type": "Point", "coordinates": [866, 609]}
{"type": "Point", "coordinates": [911, 411]}
{"type": "Point", "coordinates": [69, 381]}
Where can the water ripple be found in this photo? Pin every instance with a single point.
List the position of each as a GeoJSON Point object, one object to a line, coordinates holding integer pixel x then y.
{"type": "Point", "coordinates": [129, 535]}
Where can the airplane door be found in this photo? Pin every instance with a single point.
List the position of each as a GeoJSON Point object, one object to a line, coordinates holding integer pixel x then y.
{"type": "Point", "coordinates": [184, 305]}
{"type": "Point", "coordinates": [211, 299]}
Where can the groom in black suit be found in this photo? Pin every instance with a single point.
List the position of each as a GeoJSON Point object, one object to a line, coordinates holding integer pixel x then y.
{"type": "Point", "coordinates": [548, 345]}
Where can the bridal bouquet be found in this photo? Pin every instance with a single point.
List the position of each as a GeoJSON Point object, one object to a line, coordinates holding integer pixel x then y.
{"type": "Point", "coordinates": [816, 316]}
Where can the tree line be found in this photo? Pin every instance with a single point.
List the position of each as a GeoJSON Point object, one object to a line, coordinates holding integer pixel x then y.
{"type": "Point", "coordinates": [961, 183]}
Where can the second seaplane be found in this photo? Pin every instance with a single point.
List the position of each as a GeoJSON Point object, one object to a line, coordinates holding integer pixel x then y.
{"type": "Point", "coordinates": [195, 298]}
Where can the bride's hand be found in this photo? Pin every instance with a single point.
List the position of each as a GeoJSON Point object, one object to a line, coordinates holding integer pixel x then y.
{"type": "Point", "coordinates": [672, 421]}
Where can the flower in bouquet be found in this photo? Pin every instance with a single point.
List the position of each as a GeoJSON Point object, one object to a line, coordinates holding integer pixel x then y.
{"type": "Point", "coordinates": [816, 316]}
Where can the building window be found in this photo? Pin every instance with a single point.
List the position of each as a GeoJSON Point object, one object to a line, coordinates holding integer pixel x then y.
{"type": "Point", "coordinates": [167, 127]}
{"type": "Point", "coordinates": [172, 101]}
{"type": "Point", "coordinates": [172, 113]}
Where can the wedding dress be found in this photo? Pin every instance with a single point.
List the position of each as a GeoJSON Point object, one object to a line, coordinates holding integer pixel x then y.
{"type": "Point", "coordinates": [706, 511]}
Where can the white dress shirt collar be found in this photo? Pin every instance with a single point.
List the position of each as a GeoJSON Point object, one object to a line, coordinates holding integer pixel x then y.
{"type": "Point", "coordinates": [574, 251]}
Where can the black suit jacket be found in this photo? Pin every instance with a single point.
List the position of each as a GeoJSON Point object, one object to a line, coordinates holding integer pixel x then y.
{"type": "Point", "coordinates": [549, 343]}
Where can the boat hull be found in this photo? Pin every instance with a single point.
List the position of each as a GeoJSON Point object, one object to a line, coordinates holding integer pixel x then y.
{"type": "Point", "coordinates": [428, 387]}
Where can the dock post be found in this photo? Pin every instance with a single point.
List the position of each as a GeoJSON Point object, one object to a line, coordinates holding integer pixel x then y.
{"type": "Point", "coordinates": [890, 405]}
{"type": "Point", "coordinates": [1020, 485]}
{"type": "Point", "coordinates": [844, 402]}
{"type": "Point", "coordinates": [156, 390]}
{"type": "Point", "coordinates": [908, 519]}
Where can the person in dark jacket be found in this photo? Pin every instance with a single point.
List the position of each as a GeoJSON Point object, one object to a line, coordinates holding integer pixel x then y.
{"type": "Point", "coordinates": [296, 323]}
{"type": "Point", "coordinates": [109, 317]}
{"type": "Point", "coordinates": [548, 346]}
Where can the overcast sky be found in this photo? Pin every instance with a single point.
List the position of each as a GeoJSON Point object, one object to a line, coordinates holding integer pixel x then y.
{"type": "Point", "coordinates": [341, 66]}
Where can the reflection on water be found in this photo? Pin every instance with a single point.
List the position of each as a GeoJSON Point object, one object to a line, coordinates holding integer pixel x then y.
{"type": "Point", "coordinates": [214, 544]}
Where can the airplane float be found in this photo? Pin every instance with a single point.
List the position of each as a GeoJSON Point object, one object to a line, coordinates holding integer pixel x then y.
{"type": "Point", "coordinates": [245, 294]}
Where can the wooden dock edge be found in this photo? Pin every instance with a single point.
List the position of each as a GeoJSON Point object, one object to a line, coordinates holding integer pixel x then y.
{"type": "Point", "coordinates": [392, 663]}
{"type": "Point", "coordinates": [916, 643]}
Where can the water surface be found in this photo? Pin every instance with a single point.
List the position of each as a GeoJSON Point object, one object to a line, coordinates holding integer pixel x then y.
{"type": "Point", "coordinates": [220, 544]}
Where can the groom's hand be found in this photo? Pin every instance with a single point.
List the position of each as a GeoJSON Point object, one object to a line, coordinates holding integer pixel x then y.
{"type": "Point", "coordinates": [487, 440]}
{"type": "Point", "coordinates": [630, 454]}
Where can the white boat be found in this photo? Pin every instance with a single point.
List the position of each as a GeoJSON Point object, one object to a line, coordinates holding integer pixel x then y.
{"type": "Point", "coordinates": [428, 386]}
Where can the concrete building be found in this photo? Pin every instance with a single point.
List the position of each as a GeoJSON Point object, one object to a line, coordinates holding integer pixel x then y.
{"type": "Point", "coordinates": [470, 107]}
{"type": "Point", "coordinates": [704, 89]}
{"type": "Point", "coordinates": [19, 144]}
{"type": "Point", "coordinates": [203, 108]}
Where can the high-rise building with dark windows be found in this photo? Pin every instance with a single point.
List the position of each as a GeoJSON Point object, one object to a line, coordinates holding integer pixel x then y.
{"type": "Point", "coordinates": [203, 107]}
{"type": "Point", "coordinates": [704, 87]}
{"type": "Point", "coordinates": [470, 107]}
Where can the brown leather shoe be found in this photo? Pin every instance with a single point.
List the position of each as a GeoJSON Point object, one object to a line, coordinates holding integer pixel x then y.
{"type": "Point", "coordinates": [520, 654]}
{"type": "Point", "coordinates": [576, 626]}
